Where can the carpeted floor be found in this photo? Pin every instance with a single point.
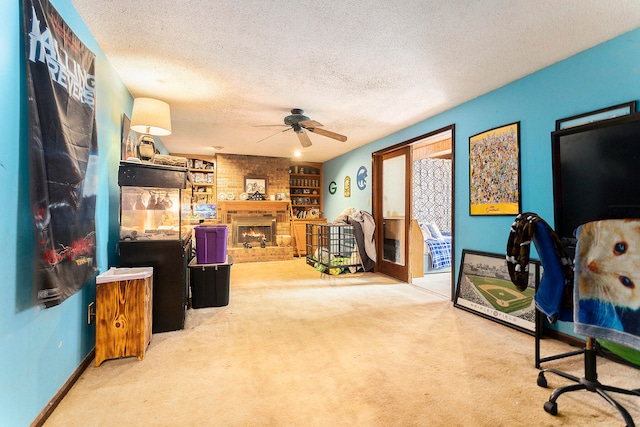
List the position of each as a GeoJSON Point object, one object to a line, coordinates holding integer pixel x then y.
{"type": "Point", "coordinates": [297, 348]}
{"type": "Point", "coordinates": [439, 283]}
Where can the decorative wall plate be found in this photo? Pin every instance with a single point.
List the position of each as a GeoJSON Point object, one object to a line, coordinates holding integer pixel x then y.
{"type": "Point", "coordinates": [222, 196]}
{"type": "Point", "coordinates": [244, 196]}
{"type": "Point", "coordinates": [230, 196]}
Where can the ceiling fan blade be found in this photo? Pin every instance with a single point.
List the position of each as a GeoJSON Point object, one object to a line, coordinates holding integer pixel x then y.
{"type": "Point", "coordinates": [328, 133]}
{"type": "Point", "coordinates": [310, 124]}
{"type": "Point", "coordinates": [304, 138]}
{"type": "Point", "coordinates": [274, 134]}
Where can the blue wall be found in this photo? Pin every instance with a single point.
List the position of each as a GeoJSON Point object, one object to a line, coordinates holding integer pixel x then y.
{"type": "Point", "coordinates": [605, 75]}
{"type": "Point", "coordinates": [42, 347]}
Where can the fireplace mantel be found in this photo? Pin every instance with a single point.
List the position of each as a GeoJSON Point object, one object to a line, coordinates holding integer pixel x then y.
{"type": "Point", "coordinates": [253, 205]}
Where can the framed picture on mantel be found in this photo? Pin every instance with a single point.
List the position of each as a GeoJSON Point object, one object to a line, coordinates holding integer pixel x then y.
{"type": "Point", "coordinates": [254, 184]}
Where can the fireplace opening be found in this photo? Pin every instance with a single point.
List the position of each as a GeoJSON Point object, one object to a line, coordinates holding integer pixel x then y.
{"type": "Point", "coordinates": [253, 230]}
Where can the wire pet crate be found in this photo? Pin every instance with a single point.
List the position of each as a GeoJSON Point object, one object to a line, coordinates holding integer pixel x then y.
{"type": "Point", "coordinates": [332, 248]}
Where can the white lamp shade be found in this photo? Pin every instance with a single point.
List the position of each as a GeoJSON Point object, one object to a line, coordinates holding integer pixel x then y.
{"type": "Point", "coordinates": [151, 116]}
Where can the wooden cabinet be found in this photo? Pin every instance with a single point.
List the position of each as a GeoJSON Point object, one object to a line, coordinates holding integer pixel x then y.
{"type": "Point", "coordinates": [123, 313]}
{"type": "Point", "coordinates": [305, 190]}
{"type": "Point", "coordinates": [299, 231]}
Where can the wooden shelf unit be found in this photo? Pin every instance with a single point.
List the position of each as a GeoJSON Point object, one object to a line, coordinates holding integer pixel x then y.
{"type": "Point", "coordinates": [305, 189]}
{"type": "Point", "coordinates": [305, 192]}
{"type": "Point", "coordinates": [203, 176]}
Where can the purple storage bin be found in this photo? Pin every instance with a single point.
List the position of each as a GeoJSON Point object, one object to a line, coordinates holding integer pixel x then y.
{"type": "Point", "coordinates": [211, 244]}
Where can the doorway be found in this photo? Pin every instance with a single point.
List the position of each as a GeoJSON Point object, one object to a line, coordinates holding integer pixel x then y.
{"type": "Point", "coordinates": [432, 191]}
{"type": "Point", "coordinates": [427, 221]}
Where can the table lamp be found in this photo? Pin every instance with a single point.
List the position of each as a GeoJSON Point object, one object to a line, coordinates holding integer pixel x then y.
{"type": "Point", "coordinates": [150, 117]}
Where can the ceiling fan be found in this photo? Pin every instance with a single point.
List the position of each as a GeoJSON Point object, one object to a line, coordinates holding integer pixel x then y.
{"type": "Point", "coordinates": [298, 122]}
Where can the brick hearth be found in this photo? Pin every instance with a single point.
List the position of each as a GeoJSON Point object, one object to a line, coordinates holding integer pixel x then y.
{"type": "Point", "coordinates": [258, 254]}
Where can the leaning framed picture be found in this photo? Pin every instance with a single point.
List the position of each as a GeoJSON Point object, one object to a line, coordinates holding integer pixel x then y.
{"type": "Point", "coordinates": [128, 140]}
{"type": "Point", "coordinates": [494, 171]}
{"type": "Point", "coordinates": [485, 288]}
{"type": "Point", "coordinates": [597, 115]}
{"type": "Point", "coordinates": [253, 185]}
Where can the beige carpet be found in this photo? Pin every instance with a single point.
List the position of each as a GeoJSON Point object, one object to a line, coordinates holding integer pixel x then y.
{"type": "Point", "coordinates": [297, 348]}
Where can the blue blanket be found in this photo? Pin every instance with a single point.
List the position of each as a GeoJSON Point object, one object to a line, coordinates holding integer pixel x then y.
{"type": "Point", "coordinates": [440, 250]}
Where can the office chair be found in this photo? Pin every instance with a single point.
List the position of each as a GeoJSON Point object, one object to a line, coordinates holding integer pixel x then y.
{"type": "Point", "coordinates": [559, 297]}
{"type": "Point", "coordinates": [593, 316]}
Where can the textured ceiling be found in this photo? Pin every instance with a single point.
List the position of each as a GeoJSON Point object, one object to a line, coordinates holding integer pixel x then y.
{"type": "Point", "coordinates": [364, 69]}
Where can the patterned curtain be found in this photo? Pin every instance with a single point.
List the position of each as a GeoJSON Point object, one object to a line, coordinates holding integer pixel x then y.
{"type": "Point", "coordinates": [432, 192]}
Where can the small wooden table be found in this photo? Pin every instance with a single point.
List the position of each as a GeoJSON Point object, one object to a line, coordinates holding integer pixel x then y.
{"type": "Point", "coordinates": [124, 301]}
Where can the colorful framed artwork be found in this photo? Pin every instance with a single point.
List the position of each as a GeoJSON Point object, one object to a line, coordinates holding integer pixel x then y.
{"type": "Point", "coordinates": [485, 288]}
{"type": "Point", "coordinates": [597, 115]}
{"type": "Point", "coordinates": [494, 171]}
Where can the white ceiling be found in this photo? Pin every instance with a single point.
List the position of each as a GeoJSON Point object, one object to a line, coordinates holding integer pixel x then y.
{"type": "Point", "coordinates": [364, 69]}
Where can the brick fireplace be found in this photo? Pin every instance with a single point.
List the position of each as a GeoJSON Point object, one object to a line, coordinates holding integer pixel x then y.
{"type": "Point", "coordinates": [267, 217]}
{"type": "Point", "coordinates": [231, 170]}
{"type": "Point", "coordinates": [253, 230]}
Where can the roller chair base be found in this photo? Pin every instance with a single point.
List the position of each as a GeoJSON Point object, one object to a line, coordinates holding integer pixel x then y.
{"type": "Point", "coordinates": [589, 382]}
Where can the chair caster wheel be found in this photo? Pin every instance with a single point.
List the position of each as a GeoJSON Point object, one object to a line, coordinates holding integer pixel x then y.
{"type": "Point", "coordinates": [551, 407]}
{"type": "Point", "coordinates": [542, 381]}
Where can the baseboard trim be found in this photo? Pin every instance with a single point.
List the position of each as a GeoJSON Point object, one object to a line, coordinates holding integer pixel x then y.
{"type": "Point", "coordinates": [55, 401]}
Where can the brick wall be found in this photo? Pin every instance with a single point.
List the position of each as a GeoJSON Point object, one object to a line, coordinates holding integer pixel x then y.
{"type": "Point", "coordinates": [233, 168]}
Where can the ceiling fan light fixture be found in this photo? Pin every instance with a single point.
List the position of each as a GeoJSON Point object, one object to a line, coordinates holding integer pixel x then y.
{"type": "Point", "coordinates": [298, 122]}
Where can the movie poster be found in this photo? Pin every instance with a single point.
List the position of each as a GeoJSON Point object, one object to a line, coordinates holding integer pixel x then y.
{"type": "Point", "coordinates": [62, 152]}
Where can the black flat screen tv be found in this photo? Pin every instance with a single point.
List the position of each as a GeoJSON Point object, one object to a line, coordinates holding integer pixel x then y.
{"type": "Point", "coordinates": [596, 173]}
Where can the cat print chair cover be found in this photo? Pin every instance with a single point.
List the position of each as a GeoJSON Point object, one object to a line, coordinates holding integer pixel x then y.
{"type": "Point", "coordinates": [607, 281]}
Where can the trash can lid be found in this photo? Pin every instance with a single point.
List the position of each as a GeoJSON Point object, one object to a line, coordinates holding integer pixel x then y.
{"type": "Point", "coordinates": [117, 274]}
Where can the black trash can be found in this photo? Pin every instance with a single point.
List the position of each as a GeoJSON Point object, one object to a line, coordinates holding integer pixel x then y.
{"type": "Point", "coordinates": [209, 283]}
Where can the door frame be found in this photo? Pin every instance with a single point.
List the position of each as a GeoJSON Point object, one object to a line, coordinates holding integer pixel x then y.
{"type": "Point", "coordinates": [376, 191]}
